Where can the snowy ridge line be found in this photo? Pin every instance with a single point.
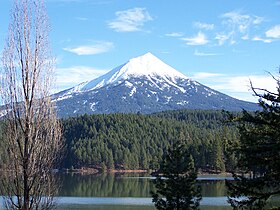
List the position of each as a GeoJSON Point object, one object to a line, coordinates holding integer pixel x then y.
{"type": "Point", "coordinates": [147, 65]}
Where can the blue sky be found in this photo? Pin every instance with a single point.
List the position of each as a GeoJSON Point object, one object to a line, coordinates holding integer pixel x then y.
{"type": "Point", "coordinates": [220, 43]}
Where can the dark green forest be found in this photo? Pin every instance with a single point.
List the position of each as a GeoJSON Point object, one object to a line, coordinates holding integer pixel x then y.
{"type": "Point", "coordinates": [134, 141]}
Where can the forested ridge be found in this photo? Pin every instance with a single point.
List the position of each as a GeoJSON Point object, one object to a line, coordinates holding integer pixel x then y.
{"type": "Point", "coordinates": [134, 141]}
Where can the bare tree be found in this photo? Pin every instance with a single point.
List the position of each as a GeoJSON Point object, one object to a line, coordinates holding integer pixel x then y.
{"type": "Point", "coordinates": [32, 133]}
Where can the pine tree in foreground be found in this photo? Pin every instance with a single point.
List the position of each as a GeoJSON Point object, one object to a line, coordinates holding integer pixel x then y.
{"type": "Point", "coordinates": [175, 184]}
{"type": "Point", "coordinates": [258, 177]}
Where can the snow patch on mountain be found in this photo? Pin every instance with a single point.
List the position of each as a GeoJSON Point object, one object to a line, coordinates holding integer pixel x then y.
{"type": "Point", "coordinates": [63, 97]}
{"type": "Point", "coordinates": [128, 84]}
{"type": "Point", "coordinates": [182, 103]}
{"type": "Point", "coordinates": [132, 92]}
{"type": "Point", "coordinates": [168, 98]}
{"type": "Point", "coordinates": [92, 106]}
{"type": "Point", "coordinates": [146, 66]}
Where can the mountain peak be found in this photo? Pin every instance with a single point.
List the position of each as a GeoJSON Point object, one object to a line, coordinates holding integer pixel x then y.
{"type": "Point", "coordinates": [143, 84]}
{"type": "Point", "coordinates": [149, 65]}
{"type": "Point", "coordinates": [146, 65]}
{"type": "Point", "coordinates": [145, 57]}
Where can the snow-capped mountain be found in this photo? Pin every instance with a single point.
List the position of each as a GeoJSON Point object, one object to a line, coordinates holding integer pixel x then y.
{"type": "Point", "coordinates": [144, 84]}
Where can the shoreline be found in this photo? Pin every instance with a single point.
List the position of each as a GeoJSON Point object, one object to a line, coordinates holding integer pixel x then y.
{"type": "Point", "coordinates": [130, 171]}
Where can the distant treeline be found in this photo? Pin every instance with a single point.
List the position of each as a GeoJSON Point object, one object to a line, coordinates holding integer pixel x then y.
{"type": "Point", "coordinates": [134, 141]}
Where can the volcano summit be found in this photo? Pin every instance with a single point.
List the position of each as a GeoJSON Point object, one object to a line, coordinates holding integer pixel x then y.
{"type": "Point", "coordinates": [144, 84]}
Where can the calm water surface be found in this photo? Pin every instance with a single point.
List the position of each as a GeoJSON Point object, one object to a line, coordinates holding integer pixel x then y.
{"type": "Point", "coordinates": [128, 191]}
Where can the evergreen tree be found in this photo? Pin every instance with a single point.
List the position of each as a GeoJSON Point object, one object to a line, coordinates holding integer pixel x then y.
{"type": "Point", "coordinates": [176, 181]}
{"type": "Point", "coordinates": [139, 141]}
{"type": "Point", "coordinates": [258, 154]}
{"type": "Point", "coordinates": [110, 158]}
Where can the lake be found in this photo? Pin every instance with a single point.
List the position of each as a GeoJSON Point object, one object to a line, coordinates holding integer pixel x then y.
{"type": "Point", "coordinates": [128, 191]}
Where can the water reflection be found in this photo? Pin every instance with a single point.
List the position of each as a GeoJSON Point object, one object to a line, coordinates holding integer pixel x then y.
{"type": "Point", "coordinates": [129, 191]}
{"type": "Point", "coordinates": [124, 185]}
{"type": "Point", "coordinates": [105, 185]}
{"type": "Point", "coordinates": [126, 191]}
{"type": "Point", "coordinates": [106, 207]}
{"type": "Point", "coordinates": [211, 188]}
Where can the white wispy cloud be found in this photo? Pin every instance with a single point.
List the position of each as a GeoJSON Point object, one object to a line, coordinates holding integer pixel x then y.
{"type": "Point", "coordinates": [71, 76]}
{"type": "Point", "coordinates": [96, 2]}
{"type": "Point", "coordinates": [199, 39]}
{"type": "Point", "coordinates": [238, 26]}
{"type": "Point", "coordinates": [257, 38]}
{"type": "Point", "coordinates": [165, 52]}
{"type": "Point", "coordinates": [235, 85]}
{"type": "Point", "coordinates": [245, 37]}
{"type": "Point", "coordinates": [64, 1]}
{"type": "Point", "coordinates": [97, 48]}
{"type": "Point", "coordinates": [274, 32]}
{"type": "Point", "coordinates": [241, 22]}
{"type": "Point", "coordinates": [205, 26]}
{"type": "Point", "coordinates": [205, 75]}
{"type": "Point", "coordinates": [175, 34]}
{"type": "Point", "coordinates": [241, 84]}
{"type": "Point", "coordinates": [222, 38]}
{"type": "Point", "coordinates": [130, 20]}
{"type": "Point", "coordinates": [197, 53]}
{"type": "Point", "coordinates": [81, 18]}
{"type": "Point", "coordinates": [256, 20]}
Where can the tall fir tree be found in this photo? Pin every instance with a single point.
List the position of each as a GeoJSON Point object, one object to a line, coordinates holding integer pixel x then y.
{"type": "Point", "coordinates": [258, 154]}
{"type": "Point", "coordinates": [175, 183]}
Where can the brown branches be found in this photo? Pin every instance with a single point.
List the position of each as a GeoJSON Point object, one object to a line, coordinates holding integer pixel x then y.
{"type": "Point", "coordinates": [32, 133]}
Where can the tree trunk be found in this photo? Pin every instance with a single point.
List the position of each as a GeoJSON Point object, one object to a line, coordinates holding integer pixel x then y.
{"type": "Point", "coordinates": [32, 133]}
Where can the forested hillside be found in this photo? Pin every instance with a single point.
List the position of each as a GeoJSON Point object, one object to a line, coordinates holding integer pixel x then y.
{"type": "Point", "coordinates": [132, 141]}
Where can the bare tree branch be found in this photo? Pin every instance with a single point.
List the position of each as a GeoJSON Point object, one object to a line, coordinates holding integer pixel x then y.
{"type": "Point", "coordinates": [32, 133]}
{"type": "Point", "coordinates": [263, 93]}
